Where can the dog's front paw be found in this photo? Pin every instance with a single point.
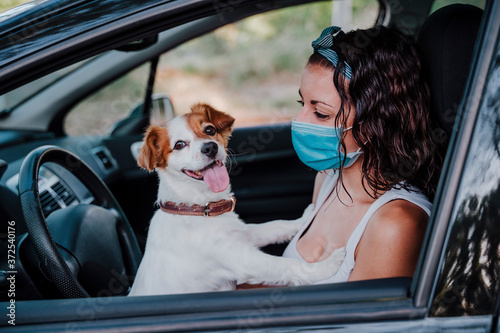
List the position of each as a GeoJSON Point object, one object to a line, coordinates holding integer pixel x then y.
{"type": "Point", "coordinates": [331, 265]}
{"type": "Point", "coordinates": [295, 225]}
{"type": "Point", "coordinates": [307, 212]}
{"type": "Point", "coordinates": [291, 229]}
{"type": "Point", "coordinates": [319, 271]}
{"type": "Point", "coordinates": [336, 259]}
{"type": "Point", "coordinates": [305, 216]}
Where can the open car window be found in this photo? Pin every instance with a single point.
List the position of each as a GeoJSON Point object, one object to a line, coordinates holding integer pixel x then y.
{"type": "Point", "coordinates": [97, 114]}
{"type": "Point", "coordinates": [10, 100]}
{"type": "Point", "coordinates": [250, 69]}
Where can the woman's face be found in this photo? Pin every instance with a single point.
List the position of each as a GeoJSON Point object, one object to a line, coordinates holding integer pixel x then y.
{"type": "Point", "coordinates": [321, 101]}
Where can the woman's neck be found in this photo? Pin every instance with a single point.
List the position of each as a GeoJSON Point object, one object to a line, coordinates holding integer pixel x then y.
{"type": "Point", "coordinates": [352, 179]}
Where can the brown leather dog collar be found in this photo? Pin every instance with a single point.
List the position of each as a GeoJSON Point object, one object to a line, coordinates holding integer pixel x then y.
{"type": "Point", "coordinates": [213, 208]}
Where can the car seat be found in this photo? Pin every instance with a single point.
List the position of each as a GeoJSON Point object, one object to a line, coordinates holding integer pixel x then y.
{"type": "Point", "coordinates": [447, 39]}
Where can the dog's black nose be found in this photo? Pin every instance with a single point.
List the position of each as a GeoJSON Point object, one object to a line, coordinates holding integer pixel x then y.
{"type": "Point", "coordinates": [210, 149]}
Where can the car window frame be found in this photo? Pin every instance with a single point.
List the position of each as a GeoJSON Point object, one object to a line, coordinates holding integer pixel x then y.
{"type": "Point", "coordinates": [402, 306]}
{"type": "Point", "coordinates": [468, 129]}
{"type": "Point", "coordinates": [423, 287]}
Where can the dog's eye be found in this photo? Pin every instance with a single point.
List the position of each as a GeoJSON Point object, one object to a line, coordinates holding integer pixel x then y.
{"type": "Point", "coordinates": [210, 130]}
{"type": "Point", "coordinates": [179, 145]}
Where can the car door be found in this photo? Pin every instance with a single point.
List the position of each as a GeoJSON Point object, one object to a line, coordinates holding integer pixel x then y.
{"type": "Point", "coordinates": [389, 305]}
{"type": "Point", "coordinates": [467, 285]}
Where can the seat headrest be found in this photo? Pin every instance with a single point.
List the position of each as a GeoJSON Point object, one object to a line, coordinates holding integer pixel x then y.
{"type": "Point", "coordinates": [447, 40]}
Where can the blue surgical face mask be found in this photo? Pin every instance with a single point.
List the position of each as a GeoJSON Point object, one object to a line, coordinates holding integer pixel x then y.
{"type": "Point", "coordinates": [318, 146]}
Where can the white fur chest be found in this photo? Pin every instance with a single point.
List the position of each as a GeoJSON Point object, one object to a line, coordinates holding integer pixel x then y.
{"type": "Point", "coordinates": [186, 253]}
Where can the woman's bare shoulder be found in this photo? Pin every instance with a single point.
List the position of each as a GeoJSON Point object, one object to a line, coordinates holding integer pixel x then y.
{"type": "Point", "coordinates": [391, 243]}
{"type": "Point", "coordinates": [397, 220]}
{"type": "Point", "coordinates": [399, 212]}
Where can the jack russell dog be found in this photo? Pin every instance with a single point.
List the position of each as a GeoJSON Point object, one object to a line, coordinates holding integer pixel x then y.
{"type": "Point", "coordinates": [196, 242]}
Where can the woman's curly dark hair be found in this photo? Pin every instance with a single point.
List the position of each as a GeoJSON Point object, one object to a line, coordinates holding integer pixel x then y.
{"type": "Point", "coordinates": [390, 97]}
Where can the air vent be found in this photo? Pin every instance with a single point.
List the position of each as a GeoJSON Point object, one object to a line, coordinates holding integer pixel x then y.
{"type": "Point", "coordinates": [107, 162]}
{"type": "Point", "coordinates": [55, 197]}
{"type": "Point", "coordinates": [48, 202]}
{"type": "Point", "coordinates": [63, 193]}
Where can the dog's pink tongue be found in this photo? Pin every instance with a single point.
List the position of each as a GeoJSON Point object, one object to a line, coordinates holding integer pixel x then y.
{"type": "Point", "coordinates": [216, 178]}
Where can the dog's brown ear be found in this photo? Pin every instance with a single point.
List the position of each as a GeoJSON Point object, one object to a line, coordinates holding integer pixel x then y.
{"type": "Point", "coordinates": [222, 121]}
{"type": "Point", "coordinates": [155, 149]}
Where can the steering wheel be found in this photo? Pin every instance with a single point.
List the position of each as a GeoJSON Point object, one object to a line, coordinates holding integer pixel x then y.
{"type": "Point", "coordinates": [89, 249]}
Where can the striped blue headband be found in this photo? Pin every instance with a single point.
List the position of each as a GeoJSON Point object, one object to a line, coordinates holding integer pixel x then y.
{"type": "Point", "coordinates": [323, 45]}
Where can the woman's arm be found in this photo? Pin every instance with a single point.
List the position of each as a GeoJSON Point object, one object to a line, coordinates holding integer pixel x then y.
{"type": "Point", "coordinates": [391, 243]}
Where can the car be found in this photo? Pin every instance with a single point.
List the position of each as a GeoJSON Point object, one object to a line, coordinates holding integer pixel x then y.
{"type": "Point", "coordinates": [81, 79]}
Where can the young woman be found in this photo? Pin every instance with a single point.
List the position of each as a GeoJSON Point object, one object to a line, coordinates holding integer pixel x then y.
{"type": "Point", "coordinates": [365, 127]}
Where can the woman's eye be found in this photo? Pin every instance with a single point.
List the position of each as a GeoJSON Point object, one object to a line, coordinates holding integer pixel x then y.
{"type": "Point", "coordinates": [210, 130]}
{"type": "Point", "coordinates": [300, 102]}
{"type": "Point", "coordinates": [321, 115]}
{"type": "Point", "coordinates": [179, 145]}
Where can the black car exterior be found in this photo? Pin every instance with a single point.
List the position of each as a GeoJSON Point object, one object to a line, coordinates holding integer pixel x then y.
{"type": "Point", "coordinates": [456, 287]}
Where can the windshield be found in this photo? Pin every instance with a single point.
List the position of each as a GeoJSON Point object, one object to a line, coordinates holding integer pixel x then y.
{"type": "Point", "coordinates": [10, 100]}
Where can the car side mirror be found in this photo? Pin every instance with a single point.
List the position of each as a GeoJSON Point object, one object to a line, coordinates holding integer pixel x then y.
{"type": "Point", "coordinates": [161, 111]}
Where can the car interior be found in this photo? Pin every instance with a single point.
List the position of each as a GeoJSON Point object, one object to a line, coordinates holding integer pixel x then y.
{"type": "Point", "coordinates": [48, 178]}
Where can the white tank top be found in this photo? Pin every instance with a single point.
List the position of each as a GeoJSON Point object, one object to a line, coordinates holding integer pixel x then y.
{"type": "Point", "coordinates": [415, 196]}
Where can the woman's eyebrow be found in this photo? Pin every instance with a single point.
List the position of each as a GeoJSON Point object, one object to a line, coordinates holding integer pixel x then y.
{"type": "Point", "coordinates": [313, 102]}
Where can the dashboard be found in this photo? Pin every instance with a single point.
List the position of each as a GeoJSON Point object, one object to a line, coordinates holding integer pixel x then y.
{"type": "Point", "coordinates": [56, 193]}
{"type": "Point", "coordinates": [111, 159]}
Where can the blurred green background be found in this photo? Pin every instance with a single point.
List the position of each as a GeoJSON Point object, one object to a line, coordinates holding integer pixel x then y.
{"type": "Point", "coordinates": [250, 69]}
{"type": "Point", "coordinates": [6, 4]}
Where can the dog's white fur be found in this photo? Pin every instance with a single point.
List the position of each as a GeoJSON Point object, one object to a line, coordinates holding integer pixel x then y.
{"type": "Point", "coordinates": [187, 254]}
